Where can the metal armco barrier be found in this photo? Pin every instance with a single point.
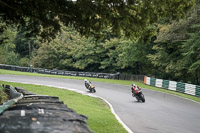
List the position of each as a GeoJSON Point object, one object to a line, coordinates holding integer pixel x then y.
{"type": "Point", "coordinates": [40, 114]}
{"type": "Point", "coordinates": [173, 85]}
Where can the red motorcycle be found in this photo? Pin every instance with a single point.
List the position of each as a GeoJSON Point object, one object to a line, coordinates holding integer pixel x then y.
{"type": "Point", "coordinates": [137, 93]}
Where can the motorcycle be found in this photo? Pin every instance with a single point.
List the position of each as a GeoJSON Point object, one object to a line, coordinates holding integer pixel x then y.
{"type": "Point", "coordinates": [139, 95]}
{"type": "Point", "coordinates": [90, 87]}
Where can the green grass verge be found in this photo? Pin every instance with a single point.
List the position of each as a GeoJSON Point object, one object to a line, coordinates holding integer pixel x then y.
{"type": "Point", "coordinates": [101, 120]}
{"type": "Point", "coordinates": [122, 82]}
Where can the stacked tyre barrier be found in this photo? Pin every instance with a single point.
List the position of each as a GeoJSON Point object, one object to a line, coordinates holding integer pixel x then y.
{"type": "Point", "coordinates": [74, 73]}
{"type": "Point", "coordinates": [60, 72]}
{"type": "Point", "coordinates": [40, 114]}
{"type": "Point", "coordinates": [174, 86]}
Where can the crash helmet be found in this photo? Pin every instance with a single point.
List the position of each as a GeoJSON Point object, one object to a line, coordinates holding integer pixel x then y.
{"type": "Point", "coordinates": [85, 80]}
{"type": "Point", "coordinates": [133, 85]}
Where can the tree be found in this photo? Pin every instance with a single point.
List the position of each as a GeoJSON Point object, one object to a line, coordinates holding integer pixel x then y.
{"type": "Point", "coordinates": [92, 16]}
{"type": "Point", "coordinates": [176, 48]}
{"type": "Point", "coordinates": [125, 55]}
{"type": "Point", "coordinates": [191, 49]}
{"type": "Point", "coordinates": [191, 57]}
{"type": "Point", "coordinates": [25, 42]}
{"type": "Point", "coordinates": [67, 51]}
{"type": "Point", "coordinates": [7, 46]}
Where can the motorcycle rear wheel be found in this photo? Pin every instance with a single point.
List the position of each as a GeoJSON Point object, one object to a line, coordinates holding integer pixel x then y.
{"type": "Point", "coordinates": [142, 98]}
{"type": "Point", "coordinates": [92, 90]}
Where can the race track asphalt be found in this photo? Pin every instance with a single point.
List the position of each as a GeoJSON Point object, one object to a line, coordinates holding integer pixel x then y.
{"type": "Point", "coordinates": [161, 113]}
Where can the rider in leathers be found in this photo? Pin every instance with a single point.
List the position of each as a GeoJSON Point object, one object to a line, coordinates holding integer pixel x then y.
{"type": "Point", "coordinates": [87, 83]}
{"type": "Point", "coordinates": [133, 88]}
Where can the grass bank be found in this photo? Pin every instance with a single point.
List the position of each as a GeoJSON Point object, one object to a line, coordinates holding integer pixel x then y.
{"type": "Point", "coordinates": [3, 96]}
{"type": "Point", "coordinates": [101, 120]}
{"type": "Point", "coordinates": [121, 82]}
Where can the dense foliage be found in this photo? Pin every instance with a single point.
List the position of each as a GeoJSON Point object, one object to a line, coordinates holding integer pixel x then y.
{"type": "Point", "coordinates": [91, 16]}
{"type": "Point", "coordinates": [7, 46]}
{"type": "Point", "coordinates": [177, 51]}
{"type": "Point", "coordinates": [167, 49]}
{"type": "Point", "coordinates": [72, 52]}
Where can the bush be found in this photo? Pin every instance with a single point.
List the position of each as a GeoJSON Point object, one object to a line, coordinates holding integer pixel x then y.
{"type": "Point", "coordinates": [24, 62]}
{"type": "Point", "coordinates": [3, 96]}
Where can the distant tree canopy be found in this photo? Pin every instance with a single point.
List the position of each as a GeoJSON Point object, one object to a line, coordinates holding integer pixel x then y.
{"type": "Point", "coordinates": [132, 17]}
{"type": "Point", "coordinates": [177, 51]}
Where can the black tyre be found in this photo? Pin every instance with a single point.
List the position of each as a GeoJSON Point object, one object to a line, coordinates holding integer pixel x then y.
{"type": "Point", "coordinates": [93, 90]}
{"type": "Point", "coordinates": [142, 98]}
{"type": "Point", "coordinates": [42, 114]}
{"type": "Point", "coordinates": [138, 99]}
